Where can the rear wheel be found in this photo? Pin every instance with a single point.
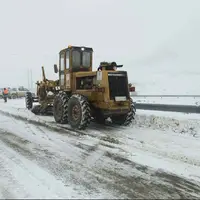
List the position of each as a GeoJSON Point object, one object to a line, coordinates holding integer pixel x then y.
{"type": "Point", "coordinates": [127, 118]}
{"type": "Point", "coordinates": [79, 113]}
{"type": "Point", "coordinates": [60, 108]}
{"type": "Point", "coordinates": [13, 96]}
{"type": "Point", "coordinates": [28, 100]}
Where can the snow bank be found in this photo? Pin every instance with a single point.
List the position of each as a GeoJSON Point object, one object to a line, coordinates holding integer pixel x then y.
{"type": "Point", "coordinates": [176, 122]}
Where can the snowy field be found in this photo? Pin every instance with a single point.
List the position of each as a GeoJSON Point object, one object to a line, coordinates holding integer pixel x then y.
{"type": "Point", "coordinates": [156, 157]}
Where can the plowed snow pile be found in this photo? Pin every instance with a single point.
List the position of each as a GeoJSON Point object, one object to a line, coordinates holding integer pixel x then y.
{"type": "Point", "coordinates": [175, 122]}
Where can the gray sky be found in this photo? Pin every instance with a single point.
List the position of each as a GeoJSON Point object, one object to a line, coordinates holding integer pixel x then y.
{"type": "Point", "coordinates": [33, 32]}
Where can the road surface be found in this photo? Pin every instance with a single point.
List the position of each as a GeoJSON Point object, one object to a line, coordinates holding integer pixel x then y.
{"type": "Point", "coordinates": [37, 162]}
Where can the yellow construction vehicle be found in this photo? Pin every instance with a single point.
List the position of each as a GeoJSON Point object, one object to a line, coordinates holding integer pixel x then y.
{"type": "Point", "coordinates": [85, 94]}
{"type": "Point", "coordinates": [46, 91]}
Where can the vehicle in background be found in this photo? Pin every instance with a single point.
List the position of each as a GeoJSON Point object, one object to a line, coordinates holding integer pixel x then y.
{"type": "Point", "coordinates": [15, 93]}
{"type": "Point", "coordinates": [21, 91]}
{"type": "Point", "coordinates": [18, 92]}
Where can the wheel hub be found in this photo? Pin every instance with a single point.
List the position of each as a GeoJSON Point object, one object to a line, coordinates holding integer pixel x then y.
{"type": "Point", "coordinates": [76, 112]}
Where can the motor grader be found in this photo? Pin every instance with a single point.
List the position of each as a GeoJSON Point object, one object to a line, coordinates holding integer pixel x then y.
{"type": "Point", "coordinates": [85, 94]}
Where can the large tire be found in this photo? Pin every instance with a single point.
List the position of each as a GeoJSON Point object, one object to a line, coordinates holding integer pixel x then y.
{"type": "Point", "coordinates": [60, 108]}
{"type": "Point", "coordinates": [127, 118]}
{"type": "Point", "coordinates": [28, 100]}
{"type": "Point", "coordinates": [13, 96]}
{"type": "Point", "coordinates": [79, 113]}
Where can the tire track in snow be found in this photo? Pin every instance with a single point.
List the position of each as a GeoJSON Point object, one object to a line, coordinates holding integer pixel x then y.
{"type": "Point", "coordinates": [57, 165]}
{"type": "Point", "coordinates": [146, 182]}
{"type": "Point", "coordinates": [149, 147]}
{"type": "Point", "coordinates": [21, 178]}
{"type": "Point", "coordinates": [170, 184]}
{"type": "Point", "coordinates": [130, 186]}
{"type": "Point", "coordinates": [60, 129]}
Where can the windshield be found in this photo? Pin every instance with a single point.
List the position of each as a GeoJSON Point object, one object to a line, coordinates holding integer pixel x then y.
{"type": "Point", "coordinates": [86, 59]}
{"type": "Point", "coordinates": [81, 58]}
{"type": "Point", "coordinates": [14, 89]}
{"type": "Point", "coordinates": [76, 59]}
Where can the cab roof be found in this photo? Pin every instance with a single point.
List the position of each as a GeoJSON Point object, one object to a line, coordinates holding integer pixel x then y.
{"type": "Point", "coordinates": [77, 48]}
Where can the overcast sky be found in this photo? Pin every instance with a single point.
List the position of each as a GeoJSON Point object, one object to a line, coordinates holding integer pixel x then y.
{"type": "Point", "coordinates": [33, 32]}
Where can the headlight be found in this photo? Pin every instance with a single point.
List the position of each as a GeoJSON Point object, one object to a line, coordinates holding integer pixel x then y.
{"type": "Point", "coordinates": [82, 49]}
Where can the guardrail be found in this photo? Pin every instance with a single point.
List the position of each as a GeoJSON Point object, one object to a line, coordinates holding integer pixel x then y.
{"type": "Point", "coordinates": [168, 107]}
{"type": "Point", "coordinates": [167, 95]}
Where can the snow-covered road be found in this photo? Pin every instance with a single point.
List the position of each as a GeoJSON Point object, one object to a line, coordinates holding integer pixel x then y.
{"type": "Point", "coordinates": [39, 159]}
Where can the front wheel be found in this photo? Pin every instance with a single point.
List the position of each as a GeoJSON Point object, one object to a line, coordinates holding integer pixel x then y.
{"type": "Point", "coordinates": [79, 113]}
{"type": "Point", "coordinates": [60, 108]}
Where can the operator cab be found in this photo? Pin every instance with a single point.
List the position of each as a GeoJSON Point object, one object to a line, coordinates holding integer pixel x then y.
{"type": "Point", "coordinates": [75, 59]}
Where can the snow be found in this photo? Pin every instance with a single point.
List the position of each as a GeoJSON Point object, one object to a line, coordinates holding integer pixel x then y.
{"type": "Point", "coordinates": [23, 165]}
{"type": "Point", "coordinates": [169, 115]}
{"type": "Point", "coordinates": [27, 176]}
{"type": "Point", "coordinates": [169, 121]}
{"type": "Point", "coordinates": [155, 142]}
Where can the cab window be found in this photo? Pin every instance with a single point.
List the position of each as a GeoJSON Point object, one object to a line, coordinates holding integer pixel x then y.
{"type": "Point", "coordinates": [86, 59]}
{"type": "Point", "coordinates": [76, 59]}
{"type": "Point", "coordinates": [67, 59]}
{"type": "Point", "coordinates": [62, 62]}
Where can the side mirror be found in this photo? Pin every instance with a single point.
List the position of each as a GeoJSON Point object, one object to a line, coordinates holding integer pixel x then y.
{"type": "Point", "coordinates": [55, 68]}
